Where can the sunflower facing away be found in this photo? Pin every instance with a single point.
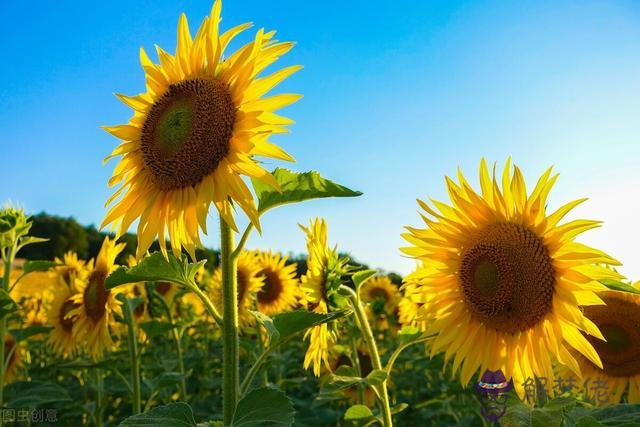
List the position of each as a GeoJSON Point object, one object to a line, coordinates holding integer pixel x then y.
{"type": "Point", "coordinates": [280, 290]}
{"type": "Point", "coordinates": [619, 322]}
{"type": "Point", "coordinates": [94, 304]}
{"type": "Point", "coordinates": [314, 284]}
{"type": "Point", "coordinates": [194, 134]}
{"type": "Point", "coordinates": [502, 280]}
{"type": "Point", "coordinates": [249, 284]}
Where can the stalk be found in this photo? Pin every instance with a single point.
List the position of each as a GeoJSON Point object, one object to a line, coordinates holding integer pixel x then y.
{"type": "Point", "coordinates": [230, 358]}
{"type": "Point", "coordinates": [8, 261]}
{"type": "Point", "coordinates": [135, 361]}
{"type": "Point", "coordinates": [370, 342]}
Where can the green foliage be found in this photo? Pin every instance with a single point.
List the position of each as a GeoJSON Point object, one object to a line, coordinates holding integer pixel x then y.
{"type": "Point", "coordinates": [63, 234]}
{"type": "Point", "coordinates": [172, 415]}
{"type": "Point", "coordinates": [263, 406]}
{"type": "Point", "coordinates": [156, 267]}
{"type": "Point", "coordinates": [32, 266]}
{"type": "Point", "coordinates": [296, 187]}
{"type": "Point", "coordinates": [617, 285]}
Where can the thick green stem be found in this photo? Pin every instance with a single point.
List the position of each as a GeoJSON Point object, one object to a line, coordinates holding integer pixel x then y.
{"type": "Point", "coordinates": [133, 357]}
{"type": "Point", "coordinates": [370, 342]}
{"type": "Point", "coordinates": [207, 303]}
{"type": "Point", "coordinates": [8, 261]}
{"type": "Point", "coordinates": [230, 329]}
{"type": "Point", "coordinates": [177, 343]}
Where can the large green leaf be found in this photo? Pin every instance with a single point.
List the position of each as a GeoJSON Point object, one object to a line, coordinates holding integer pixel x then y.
{"type": "Point", "coordinates": [177, 414]}
{"type": "Point", "coordinates": [293, 322]}
{"type": "Point", "coordinates": [296, 187]}
{"type": "Point", "coordinates": [29, 331]}
{"type": "Point", "coordinates": [156, 267]}
{"type": "Point", "coordinates": [7, 304]}
{"type": "Point", "coordinates": [358, 415]}
{"type": "Point", "coordinates": [263, 406]}
{"type": "Point", "coordinates": [617, 285]}
{"type": "Point", "coordinates": [617, 415]}
{"type": "Point", "coordinates": [552, 414]}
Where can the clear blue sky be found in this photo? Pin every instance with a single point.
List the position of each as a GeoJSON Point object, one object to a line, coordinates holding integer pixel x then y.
{"type": "Point", "coordinates": [397, 94]}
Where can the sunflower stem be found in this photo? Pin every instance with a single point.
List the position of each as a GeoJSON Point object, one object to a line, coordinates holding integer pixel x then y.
{"type": "Point", "coordinates": [176, 342]}
{"type": "Point", "coordinates": [370, 342]}
{"type": "Point", "coordinates": [193, 287]}
{"type": "Point", "coordinates": [134, 359]}
{"type": "Point", "coordinates": [8, 262]}
{"type": "Point", "coordinates": [230, 329]}
{"type": "Point", "coordinates": [356, 363]}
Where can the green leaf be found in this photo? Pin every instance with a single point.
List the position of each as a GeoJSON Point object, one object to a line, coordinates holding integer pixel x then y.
{"type": "Point", "coordinates": [552, 414]}
{"type": "Point", "coordinates": [617, 415]}
{"type": "Point", "coordinates": [376, 377]}
{"type": "Point", "coordinates": [409, 333]}
{"type": "Point", "coordinates": [29, 331]}
{"type": "Point", "coordinates": [267, 322]}
{"type": "Point", "coordinates": [154, 328]}
{"type": "Point", "coordinates": [361, 277]}
{"type": "Point", "coordinates": [293, 322]}
{"type": "Point", "coordinates": [359, 413]}
{"type": "Point", "coordinates": [617, 285]}
{"type": "Point", "coordinates": [33, 394]}
{"type": "Point", "coordinates": [31, 266]}
{"type": "Point", "coordinates": [156, 267]}
{"type": "Point", "coordinates": [177, 414]}
{"type": "Point", "coordinates": [7, 304]}
{"type": "Point", "coordinates": [263, 406]}
{"type": "Point", "coordinates": [296, 187]}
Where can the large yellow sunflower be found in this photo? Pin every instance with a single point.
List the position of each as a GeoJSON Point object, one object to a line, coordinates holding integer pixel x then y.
{"type": "Point", "coordinates": [249, 284]}
{"type": "Point", "coordinates": [61, 337]}
{"type": "Point", "coordinates": [619, 322]}
{"type": "Point", "coordinates": [93, 313]}
{"type": "Point", "coordinates": [194, 133]}
{"type": "Point", "coordinates": [314, 285]}
{"type": "Point", "coordinates": [280, 290]}
{"type": "Point", "coordinates": [503, 281]}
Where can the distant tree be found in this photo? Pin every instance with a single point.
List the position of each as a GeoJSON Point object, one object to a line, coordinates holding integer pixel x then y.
{"type": "Point", "coordinates": [64, 234]}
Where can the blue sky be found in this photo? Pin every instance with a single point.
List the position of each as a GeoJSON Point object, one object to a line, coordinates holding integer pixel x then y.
{"type": "Point", "coordinates": [396, 95]}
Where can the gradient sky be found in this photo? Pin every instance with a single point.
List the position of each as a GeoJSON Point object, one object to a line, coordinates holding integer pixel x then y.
{"type": "Point", "coordinates": [396, 95]}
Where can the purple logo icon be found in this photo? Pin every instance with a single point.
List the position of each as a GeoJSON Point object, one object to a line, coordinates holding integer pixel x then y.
{"type": "Point", "coordinates": [493, 388]}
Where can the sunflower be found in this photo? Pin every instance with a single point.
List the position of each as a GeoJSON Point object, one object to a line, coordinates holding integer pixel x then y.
{"type": "Point", "coordinates": [194, 133]}
{"type": "Point", "coordinates": [316, 284]}
{"type": "Point", "coordinates": [383, 297]}
{"type": "Point", "coordinates": [61, 337]}
{"type": "Point", "coordinates": [34, 292]}
{"type": "Point", "coordinates": [503, 280]}
{"type": "Point", "coordinates": [71, 267]}
{"type": "Point", "coordinates": [249, 284]}
{"type": "Point", "coordinates": [280, 290]}
{"type": "Point", "coordinates": [409, 309]}
{"type": "Point", "coordinates": [95, 304]}
{"type": "Point", "coordinates": [15, 357]}
{"type": "Point", "coordinates": [619, 322]}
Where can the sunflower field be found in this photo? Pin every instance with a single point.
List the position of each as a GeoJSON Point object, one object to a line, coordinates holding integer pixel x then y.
{"type": "Point", "coordinates": [507, 319]}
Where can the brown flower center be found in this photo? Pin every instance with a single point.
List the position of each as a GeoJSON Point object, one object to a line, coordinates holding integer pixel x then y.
{"type": "Point", "coordinates": [272, 288]}
{"type": "Point", "coordinates": [67, 323]}
{"type": "Point", "coordinates": [163, 288]}
{"type": "Point", "coordinates": [187, 132]}
{"type": "Point", "coordinates": [619, 322]}
{"type": "Point", "coordinates": [95, 296]}
{"type": "Point", "coordinates": [243, 284]}
{"type": "Point", "coordinates": [507, 277]}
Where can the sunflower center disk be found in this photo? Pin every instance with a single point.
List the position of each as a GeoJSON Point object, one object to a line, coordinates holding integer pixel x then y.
{"type": "Point", "coordinates": [507, 277]}
{"type": "Point", "coordinates": [95, 296]}
{"type": "Point", "coordinates": [272, 288]}
{"type": "Point", "coordinates": [619, 322]}
{"type": "Point", "coordinates": [187, 132]}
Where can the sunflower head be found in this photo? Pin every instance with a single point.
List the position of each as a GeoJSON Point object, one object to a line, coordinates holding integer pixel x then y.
{"type": "Point", "coordinates": [381, 293]}
{"type": "Point", "coordinates": [502, 279]}
{"type": "Point", "coordinates": [61, 337]}
{"type": "Point", "coordinates": [280, 290]}
{"type": "Point", "coordinates": [195, 132]}
{"type": "Point", "coordinates": [71, 268]}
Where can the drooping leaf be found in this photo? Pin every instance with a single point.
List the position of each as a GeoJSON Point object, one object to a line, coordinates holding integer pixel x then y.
{"type": "Point", "coordinates": [376, 377]}
{"type": "Point", "coordinates": [296, 187]}
{"type": "Point", "coordinates": [267, 322]}
{"type": "Point", "coordinates": [408, 334]}
{"type": "Point", "coordinates": [177, 414]}
{"type": "Point", "coordinates": [616, 285]}
{"type": "Point", "coordinates": [293, 322]}
{"type": "Point", "coordinates": [34, 394]}
{"type": "Point", "coordinates": [29, 331]}
{"type": "Point", "coordinates": [156, 268]}
{"type": "Point", "coordinates": [263, 406]}
{"type": "Point", "coordinates": [31, 266]}
{"type": "Point", "coordinates": [154, 328]}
